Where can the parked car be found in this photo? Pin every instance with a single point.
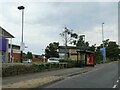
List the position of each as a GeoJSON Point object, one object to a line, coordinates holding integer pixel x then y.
{"type": "Point", "coordinates": [27, 60]}
{"type": "Point", "coordinates": [53, 59]}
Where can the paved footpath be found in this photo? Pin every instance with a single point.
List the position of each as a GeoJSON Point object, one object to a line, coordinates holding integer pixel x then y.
{"type": "Point", "coordinates": [33, 80]}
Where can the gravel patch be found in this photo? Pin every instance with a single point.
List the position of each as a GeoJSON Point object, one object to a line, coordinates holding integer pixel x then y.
{"type": "Point", "coordinates": [33, 83]}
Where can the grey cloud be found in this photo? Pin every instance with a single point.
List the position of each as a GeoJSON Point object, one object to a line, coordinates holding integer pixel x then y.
{"type": "Point", "coordinates": [46, 20]}
{"type": "Point", "coordinates": [75, 14]}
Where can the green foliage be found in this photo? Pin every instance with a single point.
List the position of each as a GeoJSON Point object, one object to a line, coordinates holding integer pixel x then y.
{"type": "Point", "coordinates": [29, 55]}
{"type": "Point", "coordinates": [68, 37]}
{"type": "Point", "coordinates": [11, 69]}
{"type": "Point", "coordinates": [92, 48]}
{"type": "Point", "coordinates": [106, 42]}
{"type": "Point", "coordinates": [51, 50]}
{"type": "Point", "coordinates": [70, 63]}
{"type": "Point", "coordinates": [98, 56]}
{"type": "Point", "coordinates": [73, 38]}
{"type": "Point", "coordinates": [112, 51]}
{"type": "Point", "coordinates": [80, 41]}
{"type": "Point", "coordinates": [67, 60]}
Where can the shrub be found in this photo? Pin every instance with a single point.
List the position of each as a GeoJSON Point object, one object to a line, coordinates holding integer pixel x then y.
{"type": "Point", "coordinates": [70, 63]}
{"type": "Point", "coordinates": [10, 69]}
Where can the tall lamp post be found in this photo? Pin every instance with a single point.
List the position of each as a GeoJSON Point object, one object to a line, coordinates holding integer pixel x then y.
{"type": "Point", "coordinates": [104, 51]}
{"type": "Point", "coordinates": [22, 44]}
{"type": "Point", "coordinates": [102, 35]}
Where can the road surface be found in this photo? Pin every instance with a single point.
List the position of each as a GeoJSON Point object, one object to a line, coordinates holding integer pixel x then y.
{"type": "Point", "coordinates": [102, 76]}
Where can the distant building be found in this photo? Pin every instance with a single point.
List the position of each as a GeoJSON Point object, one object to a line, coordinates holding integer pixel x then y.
{"type": "Point", "coordinates": [4, 39]}
{"type": "Point", "coordinates": [81, 54]}
{"type": "Point", "coordinates": [71, 52]}
{"type": "Point", "coordinates": [16, 53]}
{"type": "Point", "coordinates": [39, 58]}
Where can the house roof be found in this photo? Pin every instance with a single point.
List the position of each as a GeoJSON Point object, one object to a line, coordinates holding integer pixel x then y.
{"type": "Point", "coordinates": [14, 46]}
{"type": "Point", "coordinates": [73, 47]}
{"type": "Point", "coordinates": [68, 47]}
{"type": "Point", "coordinates": [5, 34]}
{"type": "Point", "coordinates": [85, 51]}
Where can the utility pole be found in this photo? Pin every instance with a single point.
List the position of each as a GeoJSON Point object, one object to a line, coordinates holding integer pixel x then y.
{"type": "Point", "coordinates": [22, 44]}
{"type": "Point", "coordinates": [104, 51]}
{"type": "Point", "coordinates": [102, 35]}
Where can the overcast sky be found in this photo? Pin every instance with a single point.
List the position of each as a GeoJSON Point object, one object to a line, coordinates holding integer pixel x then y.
{"type": "Point", "coordinates": [44, 21]}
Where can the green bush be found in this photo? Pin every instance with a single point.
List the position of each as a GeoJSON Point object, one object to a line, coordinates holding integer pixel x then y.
{"type": "Point", "coordinates": [38, 67]}
{"type": "Point", "coordinates": [15, 69]}
{"type": "Point", "coordinates": [70, 63]}
{"type": "Point", "coordinates": [11, 69]}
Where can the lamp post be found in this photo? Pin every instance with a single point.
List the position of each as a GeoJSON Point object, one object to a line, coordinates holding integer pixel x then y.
{"type": "Point", "coordinates": [102, 35]}
{"type": "Point", "coordinates": [22, 44]}
{"type": "Point", "coordinates": [104, 51]}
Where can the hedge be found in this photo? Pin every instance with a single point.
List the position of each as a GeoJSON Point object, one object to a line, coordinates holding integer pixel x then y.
{"type": "Point", "coordinates": [70, 63]}
{"type": "Point", "coordinates": [11, 69]}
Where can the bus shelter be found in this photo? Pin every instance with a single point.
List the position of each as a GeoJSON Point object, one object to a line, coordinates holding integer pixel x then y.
{"type": "Point", "coordinates": [85, 58]}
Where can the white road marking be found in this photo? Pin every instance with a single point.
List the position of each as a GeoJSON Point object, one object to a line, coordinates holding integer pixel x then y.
{"type": "Point", "coordinates": [91, 71]}
{"type": "Point", "coordinates": [96, 69]}
{"type": "Point", "coordinates": [114, 86]}
{"type": "Point", "coordinates": [117, 81]}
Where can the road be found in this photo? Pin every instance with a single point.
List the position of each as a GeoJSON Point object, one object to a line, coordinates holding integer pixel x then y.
{"type": "Point", "coordinates": [102, 76]}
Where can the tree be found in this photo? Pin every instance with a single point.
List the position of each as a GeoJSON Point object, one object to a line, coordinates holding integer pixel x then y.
{"type": "Point", "coordinates": [92, 48]}
{"type": "Point", "coordinates": [106, 42]}
{"type": "Point", "coordinates": [51, 50]}
{"type": "Point", "coordinates": [98, 56]}
{"type": "Point", "coordinates": [69, 37]}
{"type": "Point", "coordinates": [80, 42]}
{"type": "Point", "coordinates": [29, 55]}
{"type": "Point", "coordinates": [112, 51]}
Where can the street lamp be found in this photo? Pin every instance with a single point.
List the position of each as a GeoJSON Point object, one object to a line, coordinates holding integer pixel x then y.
{"type": "Point", "coordinates": [102, 35]}
{"type": "Point", "coordinates": [104, 51]}
{"type": "Point", "coordinates": [22, 44]}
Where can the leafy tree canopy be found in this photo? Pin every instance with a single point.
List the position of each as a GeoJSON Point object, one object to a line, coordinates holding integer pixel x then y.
{"type": "Point", "coordinates": [51, 50]}
{"type": "Point", "coordinates": [29, 55]}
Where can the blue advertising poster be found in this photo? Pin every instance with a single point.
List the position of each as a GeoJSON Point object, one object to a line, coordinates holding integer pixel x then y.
{"type": "Point", "coordinates": [103, 51]}
{"type": "Point", "coordinates": [3, 43]}
{"type": "Point", "coordinates": [0, 43]}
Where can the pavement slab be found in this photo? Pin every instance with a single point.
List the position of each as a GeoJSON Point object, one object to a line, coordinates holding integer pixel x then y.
{"type": "Point", "coordinates": [33, 83]}
{"type": "Point", "coordinates": [34, 80]}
